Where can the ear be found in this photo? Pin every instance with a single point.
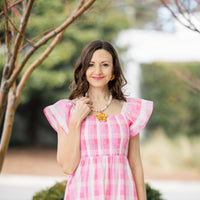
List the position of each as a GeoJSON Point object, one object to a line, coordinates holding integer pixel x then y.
{"type": "Point", "coordinates": [112, 77]}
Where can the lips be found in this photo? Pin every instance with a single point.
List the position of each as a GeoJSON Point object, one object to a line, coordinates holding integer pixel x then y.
{"type": "Point", "coordinates": [97, 78]}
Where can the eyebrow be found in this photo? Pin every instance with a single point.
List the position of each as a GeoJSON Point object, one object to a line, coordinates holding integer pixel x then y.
{"type": "Point", "coordinates": [101, 61]}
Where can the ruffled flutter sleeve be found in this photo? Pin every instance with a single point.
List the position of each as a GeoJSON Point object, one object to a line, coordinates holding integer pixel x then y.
{"type": "Point", "coordinates": [59, 114]}
{"type": "Point", "coordinates": [139, 112]}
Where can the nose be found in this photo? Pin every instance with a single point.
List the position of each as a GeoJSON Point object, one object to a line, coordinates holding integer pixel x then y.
{"type": "Point", "coordinates": [98, 69]}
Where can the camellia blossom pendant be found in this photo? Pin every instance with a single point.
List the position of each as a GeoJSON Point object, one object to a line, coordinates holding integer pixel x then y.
{"type": "Point", "coordinates": [101, 116]}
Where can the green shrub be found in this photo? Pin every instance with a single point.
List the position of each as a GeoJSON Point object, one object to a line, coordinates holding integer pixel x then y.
{"type": "Point", "coordinates": [56, 192]}
{"type": "Point", "coordinates": [152, 194]}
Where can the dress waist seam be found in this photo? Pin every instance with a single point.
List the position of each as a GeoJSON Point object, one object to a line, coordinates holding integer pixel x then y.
{"type": "Point", "coordinates": [105, 155]}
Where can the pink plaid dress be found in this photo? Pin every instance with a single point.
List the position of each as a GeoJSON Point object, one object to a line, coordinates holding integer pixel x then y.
{"type": "Point", "coordinates": [104, 172]}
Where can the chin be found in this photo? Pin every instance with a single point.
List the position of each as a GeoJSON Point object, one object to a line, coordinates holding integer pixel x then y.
{"type": "Point", "coordinates": [98, 84]}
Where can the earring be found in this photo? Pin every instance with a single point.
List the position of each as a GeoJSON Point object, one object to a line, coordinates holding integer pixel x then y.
{"type": "Point", "coordinates": [112, 77]}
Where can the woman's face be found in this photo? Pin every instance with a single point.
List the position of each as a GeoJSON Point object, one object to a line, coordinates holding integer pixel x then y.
{"type": "Point", "coordinates": [100, 69]}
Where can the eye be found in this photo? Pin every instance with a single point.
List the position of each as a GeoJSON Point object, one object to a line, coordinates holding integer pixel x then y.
{"type": "Point", "coordinates": [105, 64]}
{"type": "Point", "coordinates": [91, 65]}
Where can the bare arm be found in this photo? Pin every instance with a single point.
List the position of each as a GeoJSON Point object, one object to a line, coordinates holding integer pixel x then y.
{"type": "Point", "coordinates": [136, 166]}
{"type": "Point", "coordinates": [68, 146]}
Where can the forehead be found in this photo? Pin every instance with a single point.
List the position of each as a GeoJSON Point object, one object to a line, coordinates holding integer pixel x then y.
{"type": "Point", "coordinates": [101, 55]}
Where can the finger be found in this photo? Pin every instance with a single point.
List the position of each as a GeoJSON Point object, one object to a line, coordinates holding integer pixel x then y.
{"type": "Point", "coordinates": [86, 100]}
{"type": "Point", "coordinates": [81, 99]}
{"type": "Point", "coordinates": [90, 106]}
{"type": "Point", "coordinates": [82, 102]}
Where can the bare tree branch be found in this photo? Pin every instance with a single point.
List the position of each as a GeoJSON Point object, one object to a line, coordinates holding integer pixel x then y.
{"type": "Point", "coordinates": [80, 5]}
{"type": "Point", "coordinates": [12, 31]}
{"type": "Point", "coordinates": [27, 74]}
{"type": "Point", "coordinates": [22, 35]}
{"type": "Point", "coordinates": [8, 83]}
{"type": "Point", "coordinates": [10, 95]}
{"type": "Point", "coordinates": [9, 66]}
{"type": "Point", "coordinates": [9, 119]}
{"type": "Point", "coordinates": [14, 10]}
{"type": "Point", "coordinates": [46, 38]}
{"type": "Point", "coordinates": [16, 3]}
{"type": "Point", "coordinates": [45, 32]}
{"type": "Point", "coordinates": [19, 37]}
{"type": "Point", "coordinates": [6, 26]}
{"type": "Point", "coordinates": [183, 13]}
{"type": "Point", "coordinates": [187, 77]}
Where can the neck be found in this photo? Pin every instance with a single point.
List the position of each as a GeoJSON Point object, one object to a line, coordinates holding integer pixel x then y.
{"type": "Point", "coordinates": [98, 93]}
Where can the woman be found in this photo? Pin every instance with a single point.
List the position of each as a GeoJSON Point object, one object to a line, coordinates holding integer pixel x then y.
{"type": "Point", "coordinates": [98, 130]}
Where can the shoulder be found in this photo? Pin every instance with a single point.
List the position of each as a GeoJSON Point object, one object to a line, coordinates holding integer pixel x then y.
{"type": "Point", "coordinates": [62, 102]}
{"type": "Point", "coordinates": [73, 101]}
{"type": "Point", "coordinates": [58, 114]}
{"type": "Point", "coordinates": [137, 105]}
{"type": "Point", "coordinates": [138, 112]}
{"type": "Point", "coordinates": [118, 102]}
{"type": "Point", "coordinates": [136, 100]}
{"type": "Point", "coordinates": [60, 105]}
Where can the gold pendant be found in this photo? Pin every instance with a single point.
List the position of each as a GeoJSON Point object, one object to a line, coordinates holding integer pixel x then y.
{"type": "Point", "coordinates": [101, 116]}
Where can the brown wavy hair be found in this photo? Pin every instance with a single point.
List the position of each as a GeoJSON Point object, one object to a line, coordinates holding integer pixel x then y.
{"type": "Point", "coordinates": [80, 81]}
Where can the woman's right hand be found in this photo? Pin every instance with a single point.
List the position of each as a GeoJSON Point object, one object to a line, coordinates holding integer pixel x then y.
{"type": "Point", "coordinates": [82, 108]}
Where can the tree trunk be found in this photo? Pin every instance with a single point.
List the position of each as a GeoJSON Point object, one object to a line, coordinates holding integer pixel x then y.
{"type": "Point", "coordinates": [9, 95]}
{"type": "Point", "coordinates": [7, 129]}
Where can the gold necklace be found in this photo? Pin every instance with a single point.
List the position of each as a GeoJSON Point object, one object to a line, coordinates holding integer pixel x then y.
{"type": "Point", "coordinates": [101, 116]}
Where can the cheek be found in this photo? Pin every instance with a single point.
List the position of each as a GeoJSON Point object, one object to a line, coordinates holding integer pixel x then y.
{"type": "Point", "coordinates": [87, 73]}
{"type": "Point", "coordinates": [110, 72]}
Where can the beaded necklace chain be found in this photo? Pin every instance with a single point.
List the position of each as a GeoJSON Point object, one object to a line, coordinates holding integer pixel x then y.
{"type": "Point", "coordinates": [101, 116]}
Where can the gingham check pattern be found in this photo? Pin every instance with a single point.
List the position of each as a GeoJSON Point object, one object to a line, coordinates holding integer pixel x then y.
{"type": "Point", "coordinates": [103, 172]}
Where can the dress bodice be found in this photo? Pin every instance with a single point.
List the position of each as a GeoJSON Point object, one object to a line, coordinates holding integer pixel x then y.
{"type": "Point", "coordinates": [103, 171]}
